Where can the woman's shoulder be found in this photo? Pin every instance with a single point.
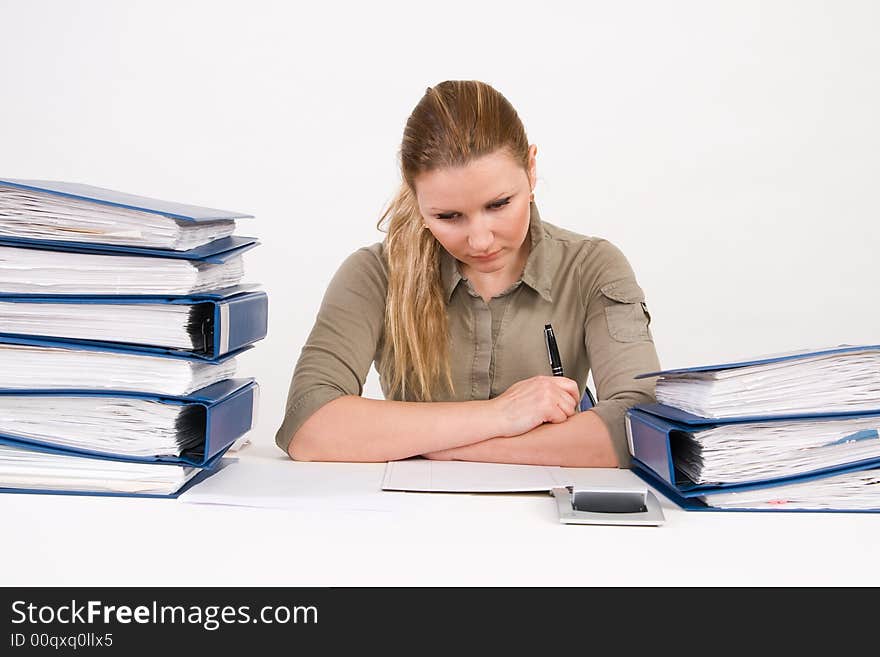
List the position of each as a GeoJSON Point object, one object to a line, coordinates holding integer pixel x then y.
{"type": "Point", "coordinates": [583, 250]}
{"type": "Point", "coordinates": [365, 266]}
{"type": "Point", "coordinates": [366, 259]}
{"type": "Point", "coordinates": [599, 264]}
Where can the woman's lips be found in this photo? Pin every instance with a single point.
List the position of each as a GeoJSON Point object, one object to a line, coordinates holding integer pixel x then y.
{"type": "Point", "coordinates": [488, 257]}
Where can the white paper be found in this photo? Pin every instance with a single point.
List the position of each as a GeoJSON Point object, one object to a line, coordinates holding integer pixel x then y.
{"type": "Point", "coordinates": [42, 271]}
{"type": "Point", "coordinates": [163, 325]}
{"type": "Point", "coordinates": [21, 468]}
{"type": "Point", "coordinates": [27, 367]}
{"type": "Point", "coordinates": [287, 484]}
{"type": "Point", "coordinates": [754, 451]}
{"type": "Point", "coordinates": [40, 215]}
{"type": "Point", "coordinates": [110, 425]}
{"type": "Point", "coordinates": [837, 383]}
{"type": "Point", "coordinates": [464, 476]}
{"type": "Point", "coordinates": [848, 491]}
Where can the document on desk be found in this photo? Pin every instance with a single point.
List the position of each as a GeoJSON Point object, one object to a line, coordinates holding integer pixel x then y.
{"type": "Point", "coordinates": [470, 477]}
{"type": "Point", "coordinates": [286, 484]}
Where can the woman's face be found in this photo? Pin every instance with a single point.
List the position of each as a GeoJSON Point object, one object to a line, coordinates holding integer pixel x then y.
{"type": "Point", "coordinates": [479, 212]}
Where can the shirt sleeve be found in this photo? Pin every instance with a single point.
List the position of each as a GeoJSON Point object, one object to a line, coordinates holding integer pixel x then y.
{"type": "Point", "coordinates": [617, 338]}
{"type": "Point", "coordinates": [340, 349]}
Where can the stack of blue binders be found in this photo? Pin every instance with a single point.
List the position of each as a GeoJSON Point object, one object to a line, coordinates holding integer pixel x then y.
{"type": "Point", "coordinates": [796, 463]}
{"type": "Point", "coordinates": [224, 321]}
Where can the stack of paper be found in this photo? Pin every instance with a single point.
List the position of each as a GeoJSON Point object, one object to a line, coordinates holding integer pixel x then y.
{"type": "Point", "coordinates": [849, 491]}
{"type": "Point", "coordinates": [60, 212]}
{"type": "Point", "coordinates": [107, 424]}
{"type": "Point", "coordinates": [799, 430]}
{"type": "Point", "coordinates": [752, 451]}
{"type": "Point", "coordinates": [121, 318]}
{"type": "Point", "coordinates": [207, 324]}
{"type": "Point", "coordinates": [832, 381]}
{"type": "Point", "coordinates": [143, 324]}
{"type": "Point", "coordinates": [32, 471]}
{"type": "Point", "coordinates": [38, 271]}
{"type": "Point", "coordinates": [164, 325]}
{"type": "Point", "coordinates": [29, 367]}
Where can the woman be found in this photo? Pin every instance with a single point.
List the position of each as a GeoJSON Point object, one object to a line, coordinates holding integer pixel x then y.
{"type": "Point", "coordinates": [452, 306]}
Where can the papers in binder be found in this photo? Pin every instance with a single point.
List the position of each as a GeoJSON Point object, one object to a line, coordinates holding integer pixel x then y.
{"type": "Point", "coordinates": [166, 325]}
{"type": "Point", "coordinates": [755, 451]}
{"type": "Point", "coordinates": [834, 380]}
{"type": "Point", "coordinates": [52, 210]}
{"type": "Point", "coordinates": [189, 430]}
{"type": "Point", "coordinates": [33, 470]}
{"type": "Point", "coordinates": [40, 271]}
{"type": "Point", "coordinates": [848, 491]}
{"type": "Point", "coordinates": [120, 320]}
{"type": "Point", "coordinates": [30, 367]}
{"type": "Point", "coordinates": [794, 431]}
{"type": "Point", "coordinates": [207, 325]}
{"type": "Point", "coordinates": [131, 426]}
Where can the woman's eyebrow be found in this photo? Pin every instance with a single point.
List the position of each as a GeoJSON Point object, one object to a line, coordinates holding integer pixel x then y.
{"type": "Point", "coordinates": [495, 199]}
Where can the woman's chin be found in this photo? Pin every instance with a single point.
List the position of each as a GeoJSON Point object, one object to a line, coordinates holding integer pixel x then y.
{"type": "Point", "coordinates": [487, 267]}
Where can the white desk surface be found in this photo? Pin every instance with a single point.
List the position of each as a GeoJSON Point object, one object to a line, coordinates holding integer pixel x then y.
{"type": "Point", "coordinates": [434, 540]}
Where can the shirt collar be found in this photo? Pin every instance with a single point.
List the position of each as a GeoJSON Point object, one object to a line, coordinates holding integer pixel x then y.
{"type": "Point", "coordinates": [537, 273]}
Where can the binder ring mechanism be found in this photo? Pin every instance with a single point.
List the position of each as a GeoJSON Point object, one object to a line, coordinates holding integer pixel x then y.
{"type": "Point", "coordinates": [607, 506]}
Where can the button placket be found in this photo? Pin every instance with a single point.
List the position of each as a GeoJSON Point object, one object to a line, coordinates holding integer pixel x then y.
{"type": "Point", "coordinates": [482, 327]}
{"type": "Point", "coordinates": [482, 349]}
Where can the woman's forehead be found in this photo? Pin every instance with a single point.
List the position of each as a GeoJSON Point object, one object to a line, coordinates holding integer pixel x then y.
{"type": "Point", "coordinates": [481, 179]}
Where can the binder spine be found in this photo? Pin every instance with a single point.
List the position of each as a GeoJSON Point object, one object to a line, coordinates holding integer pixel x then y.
{"type": "Point", "coordinates": [240, 321]}
{"type": "Point", "coordinates": [650, 444]}
{"type": "Point", "coordinates": [228, 419]}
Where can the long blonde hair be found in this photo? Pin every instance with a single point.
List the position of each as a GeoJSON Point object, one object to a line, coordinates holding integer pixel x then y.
{"type": "Point", "coordinates": [454, 123]}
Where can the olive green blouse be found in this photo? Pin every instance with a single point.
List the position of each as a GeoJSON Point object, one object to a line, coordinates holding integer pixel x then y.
{"type": "Point", "coordinates": [583, 286]}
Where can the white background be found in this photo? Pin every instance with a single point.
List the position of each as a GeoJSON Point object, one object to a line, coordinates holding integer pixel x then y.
{"type": "Point", "coordinates": [730, 149]}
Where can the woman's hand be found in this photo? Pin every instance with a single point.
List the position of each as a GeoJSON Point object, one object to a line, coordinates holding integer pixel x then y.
{"type": "Point", "coordinates": [531, 402]}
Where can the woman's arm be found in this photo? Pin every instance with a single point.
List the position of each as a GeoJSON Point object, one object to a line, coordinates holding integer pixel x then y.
{"type": "Point", "coordinates": [582, 441]}
{"type": "Point", "coordinates": [617, 339]}
{"type": "Point", "coordinates": [352, 428]}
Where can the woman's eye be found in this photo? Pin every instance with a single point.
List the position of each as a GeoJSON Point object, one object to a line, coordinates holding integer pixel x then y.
{"type": "Point", "coordinates": [493, 206]}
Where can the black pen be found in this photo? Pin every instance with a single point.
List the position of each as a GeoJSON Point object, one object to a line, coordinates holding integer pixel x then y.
{"type": "Point", "coordinates": [552, 350]}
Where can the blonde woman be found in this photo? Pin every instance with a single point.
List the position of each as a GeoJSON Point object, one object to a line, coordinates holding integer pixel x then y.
{"type": "Point", "coordinates": [451, 308]}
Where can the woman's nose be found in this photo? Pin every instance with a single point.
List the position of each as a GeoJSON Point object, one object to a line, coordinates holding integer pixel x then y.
{"type": "Point", "coordinates": [480, 236]}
